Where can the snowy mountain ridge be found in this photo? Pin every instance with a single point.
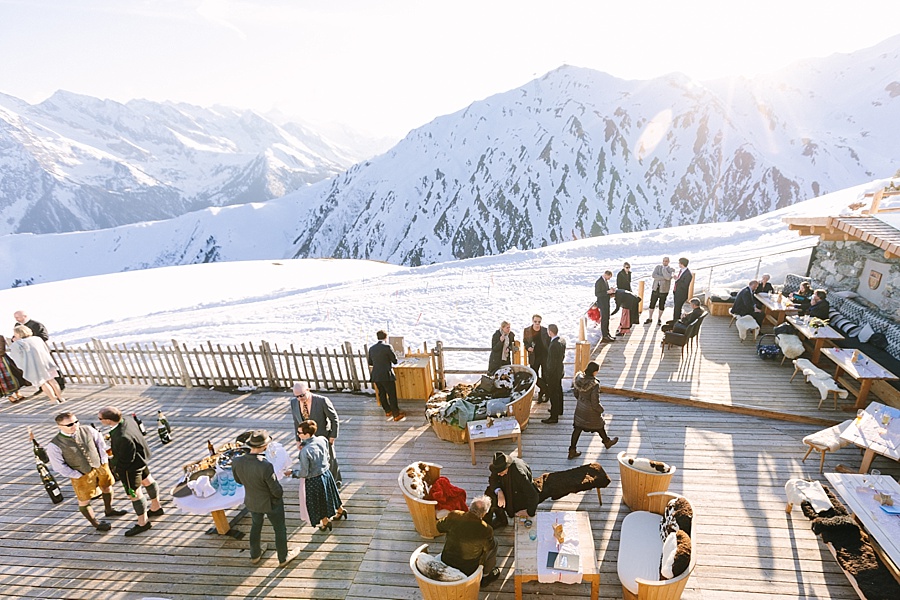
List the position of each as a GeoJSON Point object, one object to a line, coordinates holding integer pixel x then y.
{"type": "Point", "coordinates": [74, 162]}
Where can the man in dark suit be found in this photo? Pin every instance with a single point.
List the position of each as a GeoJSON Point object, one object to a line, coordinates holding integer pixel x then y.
{"type": "Point", "coordinates": [681, 325]}
{"type": "Point", "coordinates": [306, 405]}
{"type": "Point", "coordinates": [745, 303]}
{"type": "Point", "coordinates": [555, 356]}
{"type": "Point", "coordinates": [682, 287]}
{"type": "Point", "coordinates": [131, 462]}
{"type": "Point", "coordinates": [601, 290]}
{"type": "Point", "coordinates": [382, 359]}
{"type": "Point", "coordinates": [537, 342]}
{"type": "Point", "coordinates": [36, 328]}
{"type": "Point", "coordinates": [470, 541]}
{"type": "Point", "coordinates": [263, 497]}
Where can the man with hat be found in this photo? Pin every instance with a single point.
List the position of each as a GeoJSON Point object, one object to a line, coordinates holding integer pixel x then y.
{"type": "Point", "coordinates": [308, 406]}
{"type": "Point", "coordinates": [511, 490]}
{"type": "Point", "coordinates": [263, 497]}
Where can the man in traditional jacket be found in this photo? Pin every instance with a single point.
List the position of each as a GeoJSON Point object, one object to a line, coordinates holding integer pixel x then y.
{"type": "Point", "coordinates": [80, 454]}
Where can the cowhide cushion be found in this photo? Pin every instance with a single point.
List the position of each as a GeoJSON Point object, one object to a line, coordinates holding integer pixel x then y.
{"type": "Point", "coordinates": [433, 568]}
{"type": "Point", "coordinates": [415, 480]}
{"type": "Point", "coordinates": [678, 515]}
{"type": "Point", "coordinates": [647, 465]}
{"type": "Point", "coordinates": [676, 555]}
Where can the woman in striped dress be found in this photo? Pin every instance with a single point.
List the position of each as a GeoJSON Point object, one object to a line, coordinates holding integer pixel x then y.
{"type": "Point", "coordinates": [9, 382]}
{"type": "Point", "coordinates": [318, 491]}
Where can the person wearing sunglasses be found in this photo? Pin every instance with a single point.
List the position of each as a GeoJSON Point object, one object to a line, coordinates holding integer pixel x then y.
{"type": "Point", "coordinates": [79, 453]}
{"type": "Point", "coordinates": [308, 406]}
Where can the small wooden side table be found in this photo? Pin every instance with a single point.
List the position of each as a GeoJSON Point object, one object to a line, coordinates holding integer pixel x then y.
{"type": "Point", "coordinates": [501, 429]}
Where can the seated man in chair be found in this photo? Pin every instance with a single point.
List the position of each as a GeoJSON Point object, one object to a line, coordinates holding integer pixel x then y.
{"type": "Point", "coordinates": [470, 541]}
{"type": "Point", "coordinates": [745, 303]}
{"type": "Point", "coordinates": [681, 325]}
{"type": "Point", "coordinates": [511, 490]}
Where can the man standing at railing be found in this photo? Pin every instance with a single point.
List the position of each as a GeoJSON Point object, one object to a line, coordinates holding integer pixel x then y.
{"type": "Point", "coordinates": [682, 287]}
{"type": "Point", "coordinates": [382, 359]}
{"type": "Point", "coordinates": [537, 342]}
{"type": "Point", "coordinates": [555, 357]}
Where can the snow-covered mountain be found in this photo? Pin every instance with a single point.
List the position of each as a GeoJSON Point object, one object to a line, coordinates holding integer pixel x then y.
{"type": "Point", "coordinates": [579, 153]}
{"type": "Point", "coordinates": [75, 163]}
{"type": "Point", "coordinates": [573, 154]}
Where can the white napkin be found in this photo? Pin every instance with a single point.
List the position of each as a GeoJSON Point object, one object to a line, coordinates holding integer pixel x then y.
{"type": "Point", "coordinates": [201, 487]}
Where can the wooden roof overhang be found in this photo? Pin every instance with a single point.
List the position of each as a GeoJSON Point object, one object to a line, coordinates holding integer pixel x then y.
{"type": "Point", "coordinates": [850, 228]}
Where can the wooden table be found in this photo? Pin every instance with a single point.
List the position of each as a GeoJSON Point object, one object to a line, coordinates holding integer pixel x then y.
{"type": "Point", "coordinates": [877, 431]}
{"type": "Point", "coordinates": [856, 491]}
{"type": "Point", "coordinates": [818, 335]}
{"type": "Point", "coordinates": [414, 380]}
{"type": "Point", "coordinates": [502, 429]}
{"type": "Point", "coordinates": [527, 550]}
{"type": "Point", "coordinates": [777, 307]}
{"type": "Point", "coordinates": [864, 369]}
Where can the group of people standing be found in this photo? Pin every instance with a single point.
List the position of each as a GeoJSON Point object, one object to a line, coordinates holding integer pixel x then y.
{"type": "Point", "coordinates": [25, 360]}
{"type": "Point", "coordinates": [664, 278]}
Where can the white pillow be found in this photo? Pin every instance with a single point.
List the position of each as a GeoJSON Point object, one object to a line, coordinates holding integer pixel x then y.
{"type": "Point", "coordinates": [865, 333]}
{"type": "Point", "coordinates": [853, 331]}
{"type": "Point", "coordinates": [670, 545]}
{"type": "Point", "coordinates": [845, 294]}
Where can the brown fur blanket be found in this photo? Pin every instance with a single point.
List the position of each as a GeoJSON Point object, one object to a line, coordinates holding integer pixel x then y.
{"type": "Point", "coordinates": [562, 483]}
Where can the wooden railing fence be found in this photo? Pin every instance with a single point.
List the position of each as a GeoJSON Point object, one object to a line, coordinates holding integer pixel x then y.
{"type": "Point", "coordinates": [231, 366]}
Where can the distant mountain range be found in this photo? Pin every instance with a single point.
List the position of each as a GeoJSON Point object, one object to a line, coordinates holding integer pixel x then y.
{"type": "Point", "coordinates": [572, 154]}
{"type": "Point", "coordinates": [75, 162]}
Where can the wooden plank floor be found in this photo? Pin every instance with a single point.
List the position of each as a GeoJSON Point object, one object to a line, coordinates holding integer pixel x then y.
{"type": "Point", "coordinates": [732, 466]}
{"type": "Point", "coordinates": [720, 371]}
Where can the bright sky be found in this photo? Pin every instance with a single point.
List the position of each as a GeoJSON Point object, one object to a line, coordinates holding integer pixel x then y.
{"type": "Point", "coordinates": [386, 67]}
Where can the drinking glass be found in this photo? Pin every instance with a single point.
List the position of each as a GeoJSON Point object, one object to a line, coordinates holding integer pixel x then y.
{"type": "Point", "coordinates": [532, 534]}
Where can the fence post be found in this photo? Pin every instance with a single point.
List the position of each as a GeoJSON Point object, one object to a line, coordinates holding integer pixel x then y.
{"type": "Point", "coordinates": [268, 363]}
{"type": "Point", "coordinates": [641, 296]}
{"type": "Point", "coordinates": [185, 378]}
{"type": "Point", "coordinates": [582, 355]}
{"type": "Point", "coordinates": [351, 366]}
{"type": "Point", "coordinates": [104, 362]}
{"type": "Point", "coordinates": [439, 350]}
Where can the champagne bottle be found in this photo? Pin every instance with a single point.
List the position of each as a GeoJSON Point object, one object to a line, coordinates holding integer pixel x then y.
{"type": "Point", "coordinates": [162, 419]}
{"type": "Point", "coordinates": [140, 423]}
{"type": "Point", "coordinates": [162, 432]}
{"type": "Point", "coordinates": [40, 457]}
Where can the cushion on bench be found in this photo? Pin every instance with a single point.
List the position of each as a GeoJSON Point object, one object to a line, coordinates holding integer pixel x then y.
{"type": "Point", "coordinates": [640, 549]}
{"type": "Point", "coordinates": [745, 324]}
{"type": "Point", "coordinates": [825, 386]}
{"type": "Point", "coordinates": [790, 345]}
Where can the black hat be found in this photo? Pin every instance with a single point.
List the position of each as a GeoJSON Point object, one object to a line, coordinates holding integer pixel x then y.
{"type": "Point", "coordinates": [500, 463]}
{"type": "Point", "coordinates": [259, 438]}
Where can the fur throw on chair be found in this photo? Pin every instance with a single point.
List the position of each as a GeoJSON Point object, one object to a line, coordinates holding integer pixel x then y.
{"type": "Point", "coordinates": [447, 495]}
{"type": "Point", "coordinates": [562, 483]}
{"type": "Point", "coordinates": [745, 325]}
{"type": "Point", "coordinates": [790, 345]}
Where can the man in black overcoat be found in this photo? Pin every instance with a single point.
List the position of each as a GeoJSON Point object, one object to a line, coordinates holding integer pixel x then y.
{"type": "Point", "coordinates": [537, 342]}
{"type": "Point", "coordinates": [555, 357]}
{"type": "Point", "coordinates": [511, 490]}
{"type": "Point", "coordinates": [131, 463]}
{"type": "Point", "coordinates": [601, 290]}
{"type": "Point", "coordinates": [682, 287]}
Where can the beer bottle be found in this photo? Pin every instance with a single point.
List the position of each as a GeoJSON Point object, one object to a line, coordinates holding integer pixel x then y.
{"type": "Point", "coordinates": [162, 419]}
{"type": "Point", "coordinates": [40, 457]}
{"type": "Point", "coordinates": [210, 447]}
{"type": "Point", "coordinates": [162, 432]}
{"type": "Point", "coordinates": [140, 423]}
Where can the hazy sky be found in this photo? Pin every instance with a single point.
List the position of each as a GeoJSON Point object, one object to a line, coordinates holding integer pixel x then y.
{"type": "Point", "coordinates": [386, 67]}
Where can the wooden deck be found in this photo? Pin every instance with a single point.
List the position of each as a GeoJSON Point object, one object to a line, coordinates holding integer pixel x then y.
{"type": "Point", "coordinates": [732, 466]}
{"type": "Point", "coordinates": [721, 372]}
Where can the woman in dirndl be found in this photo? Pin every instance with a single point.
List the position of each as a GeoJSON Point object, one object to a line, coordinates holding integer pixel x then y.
{"type": "Point", "coordinates": [9, 382]}
{"type": "Point", "coordinates": [320, 502]}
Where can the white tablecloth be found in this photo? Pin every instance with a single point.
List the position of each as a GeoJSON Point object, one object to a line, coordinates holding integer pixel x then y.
{"type": "Point", "coordinates": [547, 543]}
{"type": "Point", "coordinates": [203, 506]}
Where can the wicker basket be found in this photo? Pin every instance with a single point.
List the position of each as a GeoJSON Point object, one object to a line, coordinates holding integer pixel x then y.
{"type": "Point", "coordinates": [450, 433]}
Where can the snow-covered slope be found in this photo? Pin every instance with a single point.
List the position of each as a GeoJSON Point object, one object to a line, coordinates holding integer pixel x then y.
{"type": "Point", "coordinates": [74, 162]}
{"type": "Point", "coordinates": [325, 302]}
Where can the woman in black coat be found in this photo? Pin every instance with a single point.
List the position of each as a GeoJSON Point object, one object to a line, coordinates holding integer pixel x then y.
{"type": "Point", "coordinates": [503, 345]}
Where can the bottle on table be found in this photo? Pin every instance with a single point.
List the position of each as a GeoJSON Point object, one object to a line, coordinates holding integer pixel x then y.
{"type": "Point", "coordinates": [210, 448]}
{"type": "Point", "coordinates": [140, 423]}
{"type": "Point", "coordinates": [41, 457]}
